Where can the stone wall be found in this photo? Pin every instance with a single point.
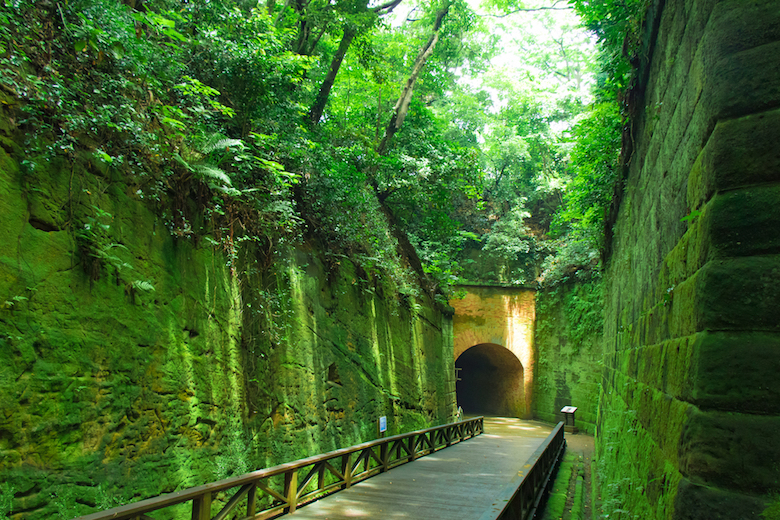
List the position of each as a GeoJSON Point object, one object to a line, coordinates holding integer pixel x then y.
{"type": "Point", "coordinates": [134, 362]}
{"type": "Point", "coordinates": [568, 341]}
{"type": "Point", "coordinates": [689, 409]}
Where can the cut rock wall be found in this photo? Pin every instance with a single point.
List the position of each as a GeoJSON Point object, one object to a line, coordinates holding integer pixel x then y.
{"type": "Point", "coordinates": [111, 391]}
{"type": "Point", "coordinates": [689, 409]}
{"type": "Point", "coordinates": [568, 342]}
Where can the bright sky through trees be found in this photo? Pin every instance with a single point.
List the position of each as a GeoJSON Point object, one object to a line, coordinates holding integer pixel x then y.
{"type": "Point", "coordinates": [541, 51]}
{"type": "Point", "coordinates": [354, 123]}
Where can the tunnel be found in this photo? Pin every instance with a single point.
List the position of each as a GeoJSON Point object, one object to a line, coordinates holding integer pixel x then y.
{"type": "Point", "coordinates": [490, 381]}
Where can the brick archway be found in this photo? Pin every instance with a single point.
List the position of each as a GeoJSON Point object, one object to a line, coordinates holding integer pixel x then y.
{"type": "Point", "coordinates": [502, 317]}
{"type": "Point", "coordinates": [490, 381]}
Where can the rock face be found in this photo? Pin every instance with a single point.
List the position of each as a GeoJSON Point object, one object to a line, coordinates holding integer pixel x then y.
{"type": "Point", "coordinates": [689, 406]}
{"type": "Point", "coordinates": [135, 362]}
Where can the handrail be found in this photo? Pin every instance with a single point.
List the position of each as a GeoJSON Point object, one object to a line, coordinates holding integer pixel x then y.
{"type": "Point", "coordinates": [521, 498]}
{"type": "Point", "coordinates": [266, 499]}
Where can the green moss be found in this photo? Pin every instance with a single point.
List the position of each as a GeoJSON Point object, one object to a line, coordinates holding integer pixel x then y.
{"type": "Point", "coordinates": [772, 512]}
{"type": "Point", "coordinates": [556, 500]}
{"type": "Point", "coordinates": [578, 501]}
{"type": "Point", "coordinates": [731, 450]}
{"type": "Point", "coordinates": [114, 392]}
{"type": "Point", "coordinates": [700, 502]}
{"type": "Point", "coordinates": [569, 325]}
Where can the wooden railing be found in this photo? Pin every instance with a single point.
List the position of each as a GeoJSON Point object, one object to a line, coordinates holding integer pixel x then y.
{"type": "Point", "coordinates": [521, 499]}
{"type": "Point", "coordinates": [267, 493]}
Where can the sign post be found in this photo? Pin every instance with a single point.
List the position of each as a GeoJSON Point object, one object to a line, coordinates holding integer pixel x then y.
{"type": "Point", "coordinates": [568, 411]}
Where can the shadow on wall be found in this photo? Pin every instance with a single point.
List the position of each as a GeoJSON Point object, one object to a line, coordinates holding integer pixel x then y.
{"type": "Point", "coordinates": [490, 381]}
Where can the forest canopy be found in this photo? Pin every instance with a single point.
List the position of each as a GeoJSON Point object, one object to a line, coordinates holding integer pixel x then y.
{"type": "Point", "coordinates": [483, 139]}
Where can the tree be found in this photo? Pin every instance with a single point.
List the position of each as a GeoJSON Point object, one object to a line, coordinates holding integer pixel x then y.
{"type": "Point", "coordinates": [351, 28]}
{"type": "Point", "coordinates": [402, 105]}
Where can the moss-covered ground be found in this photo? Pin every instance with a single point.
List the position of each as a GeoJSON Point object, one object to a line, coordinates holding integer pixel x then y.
{"type": "Point", "coordinates": [569, 494]}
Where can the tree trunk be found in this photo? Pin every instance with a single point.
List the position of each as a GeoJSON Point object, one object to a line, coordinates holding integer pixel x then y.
{"type": "Point", "coordinates": [350, 31]}
{"type": "Point", "coordinates": [315, 114]}
{"type": "Point", "coordinates": [402, 105]}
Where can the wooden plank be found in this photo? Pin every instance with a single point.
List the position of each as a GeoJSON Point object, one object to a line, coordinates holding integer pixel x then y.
{"type": "Point", "coordinates": [267, 490]}
{"type": "Point", "coordinates": [459, 482]}
{"type": "Point", "coordinates": [251, 501]}
{"type": "Point", "coordinates": [346, 469]}
{"type": "Point", "coordinates": [233, 502]}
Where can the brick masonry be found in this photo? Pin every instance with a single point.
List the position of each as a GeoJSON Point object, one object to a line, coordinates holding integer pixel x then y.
{"type": "Point", "coordinates": [501, 316]}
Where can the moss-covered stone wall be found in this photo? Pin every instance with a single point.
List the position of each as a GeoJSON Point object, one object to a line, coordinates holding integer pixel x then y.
{"type": "Point", "coordinates": [568, 339]}
{"type": "Point", "coordinates": [137, 360]}
{"type": "Point", "coordinates": [689, 410]}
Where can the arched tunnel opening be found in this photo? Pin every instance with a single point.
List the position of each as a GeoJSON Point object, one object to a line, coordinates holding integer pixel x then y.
{"type": "Point", "coordinates": [490, 381]}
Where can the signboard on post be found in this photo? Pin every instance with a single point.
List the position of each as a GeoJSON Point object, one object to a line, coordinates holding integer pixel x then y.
{"type": "Point", "coordinates": [568, 411]}
{"type": "Point", "coordinates": [383, 424]}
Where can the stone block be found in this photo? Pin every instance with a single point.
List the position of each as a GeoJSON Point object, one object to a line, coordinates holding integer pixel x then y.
{"type": "Point", "coordinates": [740, 25]}
{"type": "Point", "coordinates": [738, 294]}
{"type": "Point", "coordinates": [740, 152]}
{"type": "Point", "coordinates": [669, 44]}
{"type": "Point", "coordinates": [737, 371]}
{"type": "Point", "coordinates": [669, 366]}
{"type": "Point", "coordinates": [740, 452]}
{"type": "Point", "coordinates": [743, 83]}
{"type": "Point", "coordinates": [745, 222]}
{"type": "Point", "coordinates": [697, 502]}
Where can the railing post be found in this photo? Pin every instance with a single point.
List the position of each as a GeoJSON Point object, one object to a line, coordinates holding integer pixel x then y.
{"type": "Point", "coordinates": [321, 476]}
{"type": "Point", "coordinates": [251, 500]}
{"type": "Point", "coordinates": [384, 454]}
{"type": "Point", "coordinates": [346, 470]}
{"type": "Point", "coordinates": [291, 489]}
{"type": "Point", "coordinates": [201, 507]}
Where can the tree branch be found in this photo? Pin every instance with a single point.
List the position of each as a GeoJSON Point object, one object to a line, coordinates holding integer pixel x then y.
{"type": "Point", "coordinates": [531, 9]}
{"type": "Point", "coordinates": [387, 7]}
{"type": "Point", "coordinates": [402, 105]}
{"type": "Point", "coordinates": [315, 113]}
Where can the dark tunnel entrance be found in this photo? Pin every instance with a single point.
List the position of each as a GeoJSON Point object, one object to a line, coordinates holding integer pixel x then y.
{"type": "Point", "coordinates": [490, 381]}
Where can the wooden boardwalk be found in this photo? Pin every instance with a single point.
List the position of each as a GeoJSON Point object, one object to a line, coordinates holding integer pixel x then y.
{"type": "Point", "coordinates": [459, 482]}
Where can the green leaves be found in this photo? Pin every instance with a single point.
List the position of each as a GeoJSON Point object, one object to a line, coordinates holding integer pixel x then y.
{"type": "Point", "coordinates": [162, 25]}
{"type": "Point", "coordinates": [595, 163]}
{"type": "Point", "coordinates": [210, 98]}
{"type": "Point", "coordinates": [195, 92]}
{"type": "Point", "coordinates": [86, 34]}
{"type": "Point", "coordinates": [143, 285]}
{"type": "Point", "coordinates": [618, 26]}
{"type": "Point", "coordinates": [693, 215]}
{"type": "Point", "coordinates": [211, 173]}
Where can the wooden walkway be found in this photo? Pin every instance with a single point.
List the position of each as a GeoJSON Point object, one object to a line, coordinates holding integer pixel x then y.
{"type": "Point", "coordinates": [459, 482]}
